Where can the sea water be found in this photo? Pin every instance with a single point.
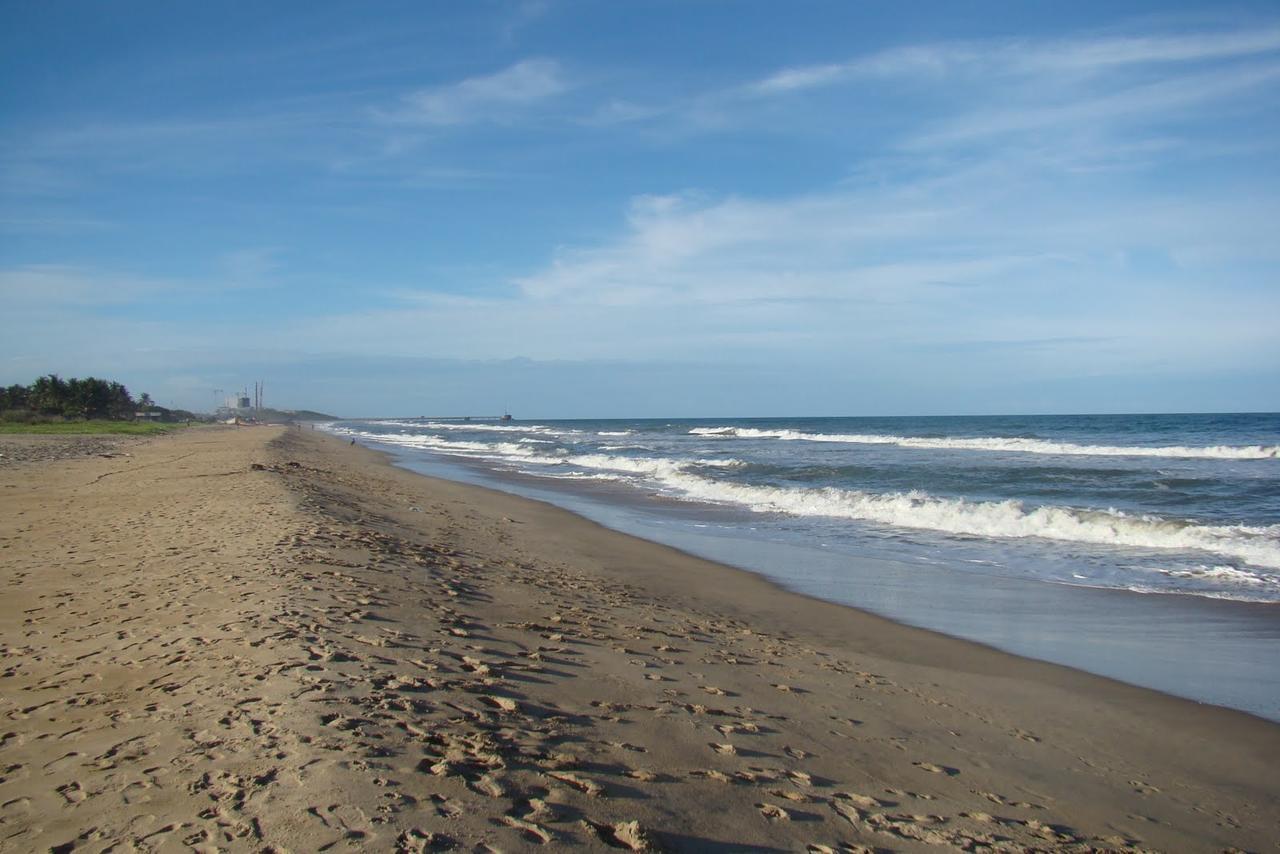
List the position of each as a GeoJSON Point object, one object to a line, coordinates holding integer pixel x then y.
{"type": "Point", "coordinates": [999, 529]}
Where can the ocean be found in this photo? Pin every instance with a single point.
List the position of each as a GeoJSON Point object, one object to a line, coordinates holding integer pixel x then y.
{"type": "Point", "coordinates": [1143, 547]}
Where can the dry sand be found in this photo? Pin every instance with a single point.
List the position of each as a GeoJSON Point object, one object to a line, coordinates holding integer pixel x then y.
{"type": "Point", "coordinates": [327, 653]}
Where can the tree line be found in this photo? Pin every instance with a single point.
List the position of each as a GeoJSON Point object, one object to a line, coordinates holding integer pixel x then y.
{"type": "Point", "coordinates": [52, 396]}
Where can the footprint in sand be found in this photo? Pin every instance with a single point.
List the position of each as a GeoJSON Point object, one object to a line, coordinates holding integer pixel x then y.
{"type": "Point", "coordinates": [996, 798]}
{"type": "Point", "coordinates": [532, 832]}
{"type": "Point", "coordinates": [790, 795]}
{"type": "Point", "coordinates": [539, 810]}
{"type": "Point", "coordinates": [773, 812]}
{"type": "Point", "coordinates": [446, 808]}
{"type": "Point", "coordinates": [19, 805]}
{"type": "Point", "coordinates": [849, 812]}
{"type": "Point", "coordinates": [502, 703]}
{"type": "Point", "coordinates": [866, 802]}
{"type": "Point", "coordinates": [418, 841]}
{"type": "Point", "coordinates": [936, 769]}
{"type": "Point", "coordinates": [582, 784]}
{"type": "Point", "coordinates": [629, 835]}
{"type": "Point", "coordinates": [800, 778]}
{"type": "Point", "coordinates": [73, 793]}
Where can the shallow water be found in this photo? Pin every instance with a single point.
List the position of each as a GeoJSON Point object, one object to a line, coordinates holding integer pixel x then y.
{"type": "Point", "coordinates": [1058, 555]}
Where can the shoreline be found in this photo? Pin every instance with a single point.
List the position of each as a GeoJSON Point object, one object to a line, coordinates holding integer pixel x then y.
{"type": "Point", "coordinates": [926, 637]}
{"type": "Point", "coordinates": [363, 653]}
{"type": "Point", "coordinates": [1049, 610]}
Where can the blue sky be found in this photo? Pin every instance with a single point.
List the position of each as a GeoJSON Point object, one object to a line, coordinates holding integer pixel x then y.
{"type": "Point", "coordinates": [657, 208]}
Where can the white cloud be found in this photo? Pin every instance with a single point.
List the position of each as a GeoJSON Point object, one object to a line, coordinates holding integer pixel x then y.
{"type": "Point", "coordinates": [1023, 57]}
{"type": "Point", "coordinates": [251, 266]}
{"type": "Point", "coordinates": [1020, 247]}
{"type": "Point", "coordinates": [483, 98]}
{"type": "Point", "coordinates": [66, 285]}
{"type": "Point", "coordinates": [1103, 53]}
{"type": "Point", "coordinates": [806, 77]}
{"type": "Point", "coordinates": [1095, 109]}
{"type": "Point", "coordinates": [622, 111]}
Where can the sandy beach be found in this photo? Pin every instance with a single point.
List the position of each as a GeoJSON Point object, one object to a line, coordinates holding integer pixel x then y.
{"type": "Point", "coordinates": [264, 639]}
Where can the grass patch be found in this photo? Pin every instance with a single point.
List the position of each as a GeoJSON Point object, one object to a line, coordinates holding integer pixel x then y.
{"type": "Point", "coordinates": [76, 428]}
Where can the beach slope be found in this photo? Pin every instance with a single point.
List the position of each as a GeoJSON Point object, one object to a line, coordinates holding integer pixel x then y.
{"type": "Point", "coordinates": [264, 639]}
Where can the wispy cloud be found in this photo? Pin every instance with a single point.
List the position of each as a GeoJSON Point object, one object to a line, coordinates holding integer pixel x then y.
{"type": "Point", "coordinates": [934, 209]}
{"type": "Point", "coordinates": [1102, 53]}
{"type": "Point", "coordinates": [1015, 244]}
{"type": "Point", "coordinates": [946, 93]}
{"type": "Point", "coordinates": [251, 267]}
{"type": "Point", "coordinates": [490, 97]}
{"type": "Point", "coordinates": [804, 77]}
{"type": "Point", "coordinates": [1023, 57]}
{"type": "Point", "coordinates": [55, 284]}
{"type": "Point", "coordinates": [1093, 109]}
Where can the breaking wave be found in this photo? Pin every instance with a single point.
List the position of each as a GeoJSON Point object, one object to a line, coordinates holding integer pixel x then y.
{"type": "Point", "coordinates": [1006, 444]}
{"type": "Point", "coordinates": [1007, 519]}
{"type": "Point", "coordinates": [488, 428]}
{"type": "Point", "coordinates": [688, 479]}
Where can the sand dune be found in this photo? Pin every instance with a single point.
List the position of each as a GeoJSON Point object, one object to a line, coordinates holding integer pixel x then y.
{"type": "Point", "coordinates": [263, 639]}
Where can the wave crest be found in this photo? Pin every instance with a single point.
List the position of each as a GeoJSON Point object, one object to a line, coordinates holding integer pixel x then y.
{"type": "Point", "coordinates": [1003, 443]}
{"type": "Point", "coordinates": [687, 479]}
{"type": "Point", "coordinates": [1007, 519]}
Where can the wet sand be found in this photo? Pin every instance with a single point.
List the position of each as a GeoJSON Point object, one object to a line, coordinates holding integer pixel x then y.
{"type": "Point", "coordinates": [264, 639]}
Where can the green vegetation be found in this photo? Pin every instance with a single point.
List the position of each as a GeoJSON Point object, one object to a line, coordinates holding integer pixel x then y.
{"type": "Point", "coordinates": [90, 405]}
{"type": "Point", "coordinates": [95, 426]}
{"type": "Point", "coordinates": [74, 398]}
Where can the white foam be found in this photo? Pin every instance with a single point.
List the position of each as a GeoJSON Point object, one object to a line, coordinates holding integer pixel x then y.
{"type": "Point", "coordinates": [481, 450]}
{"type": "Point", "coordinates": [1225, 574]}
{"type": "Point", "coordinates": [654, 467]}
{"type": "Point", "coordinates": [1228, 582]}
{"type": "Point", "coordinates": [1005, 444]}
{"type": "Point", "coordinates": [521, 452]}
{"type": "Point", "coordinates": [489, 428]}
{"type": "Point", "coordinates": [1006, 519]}
{"type": "Point", "coordinates": [1256, 545]}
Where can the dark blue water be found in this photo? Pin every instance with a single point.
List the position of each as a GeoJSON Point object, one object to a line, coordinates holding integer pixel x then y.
{"type": "Point", "coordinates": [1030, 533]}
